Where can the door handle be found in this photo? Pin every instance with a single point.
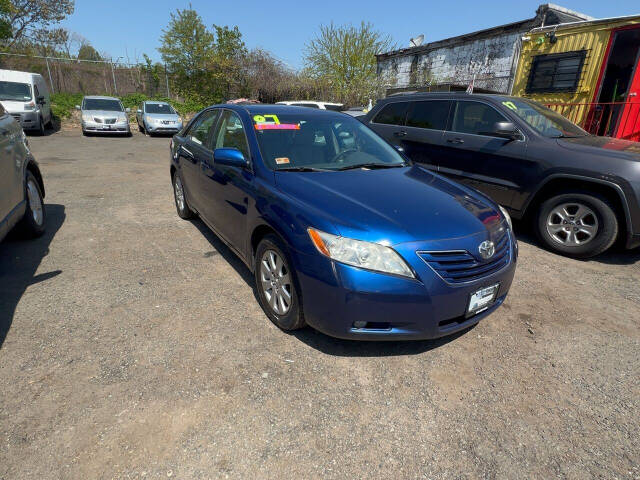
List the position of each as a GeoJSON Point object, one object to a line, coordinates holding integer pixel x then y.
{"type": "Point", "coordinates": [456, 141]}
{"type": "Point", "coordinates": [186, 151]}
{"type": "Point", "coordinates": [401, 133]}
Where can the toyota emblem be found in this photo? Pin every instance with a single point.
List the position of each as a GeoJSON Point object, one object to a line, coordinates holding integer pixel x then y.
{"type": "Point", "coordinates": [487, 249]}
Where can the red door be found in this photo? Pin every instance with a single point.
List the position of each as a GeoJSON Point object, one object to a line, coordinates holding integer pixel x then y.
{"type": "Point", "coordinates": [629, 125]}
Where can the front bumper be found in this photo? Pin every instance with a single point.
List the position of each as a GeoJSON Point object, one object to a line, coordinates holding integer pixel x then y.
{"type": "Point", "coordinates": [95, 127]}
{"type": "Point", "coordinates": [336, 297]}
{"type": "Point", "coordinates": [161, 128]}
{"type": "Point", "coordinates": [29, 120]}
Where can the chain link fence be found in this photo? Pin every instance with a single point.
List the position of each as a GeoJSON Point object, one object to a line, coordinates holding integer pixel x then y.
{"type": "Point", "coordinates": [90, 77]}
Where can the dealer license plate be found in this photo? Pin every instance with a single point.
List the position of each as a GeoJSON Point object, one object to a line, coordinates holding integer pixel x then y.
{"type": "Point", "coordinates": [482, 299]}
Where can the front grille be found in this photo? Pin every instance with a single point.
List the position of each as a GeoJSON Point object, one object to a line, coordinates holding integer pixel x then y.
{"type": "Point", "coordinates": [459, 266]}
{"type": "Point", "coordinates": [109, 121]}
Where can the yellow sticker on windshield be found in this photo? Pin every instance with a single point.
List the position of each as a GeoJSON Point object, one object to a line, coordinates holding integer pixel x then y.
{"type": "Point", "coordinates": [268, 118]}
{"type": "Point", "coordinates": [510, 105]}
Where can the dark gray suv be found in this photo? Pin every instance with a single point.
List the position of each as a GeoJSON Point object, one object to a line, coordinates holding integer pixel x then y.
{"type": "Point", "coordinates": [21, 186]}
{"type": "Point", "coordinates": [581, 191]}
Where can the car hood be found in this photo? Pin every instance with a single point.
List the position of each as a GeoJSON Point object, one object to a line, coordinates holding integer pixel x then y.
{"type": "Point", "coordinates": [103, 113]}
{"type": "Point", "coordinates": [163, 116]}
{"type": "Point", "coordinates": [12, 106]}
{"type": "Point", "coordinates": [392, 205]}
{"type": "Point", "coordinates": [605, 146]}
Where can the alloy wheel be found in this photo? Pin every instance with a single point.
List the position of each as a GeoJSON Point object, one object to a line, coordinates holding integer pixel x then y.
{"type": "Point", "coordinates": [572, 224]}
{"type": "Point", "coordinates": [276, 282]}
{"type": "Point", "coordinates": [179, 192]}
{"type": "Point", "coordinates": [35, 202]}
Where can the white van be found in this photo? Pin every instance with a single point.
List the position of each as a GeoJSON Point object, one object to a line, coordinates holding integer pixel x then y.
{"type": "Point", "coordinates": [25, 97]}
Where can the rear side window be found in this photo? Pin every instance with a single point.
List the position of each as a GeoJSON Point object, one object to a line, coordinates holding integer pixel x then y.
{"type": "Point", "coordinates": [431, 114]}
{"type": "Point", "coordinates": [476, 118]}
{"type": "Point", "coordinates": [200, 129]}
{"type": "Point", "coordinates": [392, 114]}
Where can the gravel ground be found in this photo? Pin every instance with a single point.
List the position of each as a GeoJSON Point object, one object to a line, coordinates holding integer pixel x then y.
{"type": "Point", "coordinates": [132, 346]}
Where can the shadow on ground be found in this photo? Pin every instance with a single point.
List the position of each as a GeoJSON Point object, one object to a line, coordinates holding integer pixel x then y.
{"type": "Point", "coordinates": [19, 260]}
{"type": "Point", "coordinates": [318, 340]}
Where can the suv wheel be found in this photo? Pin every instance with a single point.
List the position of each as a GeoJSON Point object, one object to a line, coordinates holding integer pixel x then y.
{"type": "Point", "coordinates": [40, 129]}
{"type": "Point", "coordinates": [276, 284]}
{"type": "Point", "coordinates": [33, 222]}
{"type": "Point", "coordinates": [579, 225]}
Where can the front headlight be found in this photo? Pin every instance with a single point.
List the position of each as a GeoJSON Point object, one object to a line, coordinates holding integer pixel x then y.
{"type": "Point", "coordinates": [86, 117]}
{"type": "Point", "coordinates": [506, 216]}
{"type": "Point", "coordinates": [371, 256]}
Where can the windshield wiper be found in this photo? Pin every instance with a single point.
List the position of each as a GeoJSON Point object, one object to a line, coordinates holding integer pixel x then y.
{"type": "Point", "coordinates": [562, 135]}
{"type": "Point", "coordinates": [372, 166]}
{"type": "Point", "coordinates": [301, 169]}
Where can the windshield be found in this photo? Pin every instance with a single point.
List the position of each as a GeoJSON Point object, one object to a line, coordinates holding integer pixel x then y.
{"type": "Point", "coordinates": [162, 108]}
{"type": "Point", "coordinates": [323, 142]}
{"type": "Point", "coordinates": [102, 104]}
{"type": "Point", "coordinates": [544, 120]}
{"type": "Point", "coordinates": [19, 92]}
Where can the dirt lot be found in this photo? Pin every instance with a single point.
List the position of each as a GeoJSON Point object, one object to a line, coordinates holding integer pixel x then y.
{"type": "Point", "coordinates": [135, 348]}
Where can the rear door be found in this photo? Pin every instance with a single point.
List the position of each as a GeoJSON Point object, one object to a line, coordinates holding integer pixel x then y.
{"type": "Point", "coordinates": [474, 156]}
{"type": "Point", "coordinates": [425, 125]}
{"type": "Point", "coordinates": [194, 149]}
{"type": "Point", "coordinates": [12, 157]}
{"type": "Point", "coordinates": [226, 188]}
{"type": "Point", "coordinates": [389, 122]}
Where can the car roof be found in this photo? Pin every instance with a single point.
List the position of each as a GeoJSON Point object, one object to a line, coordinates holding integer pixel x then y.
{"type": "Point", "coordinates": [456, 95]}
{"type": "Point", "coordinates": [17, 76]}
{"type": "Point", "coordinates": [98, 97]}
{"type": "Point", "coordinates": [283, 109]}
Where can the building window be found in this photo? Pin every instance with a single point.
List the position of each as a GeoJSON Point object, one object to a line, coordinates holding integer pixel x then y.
{"type": "Point", "coordinates": [559, 72]}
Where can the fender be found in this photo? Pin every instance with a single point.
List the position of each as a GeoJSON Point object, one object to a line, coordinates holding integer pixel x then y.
{"type": "Point", "coordinates": [608, 183]}
{"type": "Point", "coordinates": [30, 163]}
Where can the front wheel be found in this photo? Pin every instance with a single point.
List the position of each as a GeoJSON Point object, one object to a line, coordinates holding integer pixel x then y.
{"type": "Point", "coordinates": [579, 225]}
{"type": "Point", "coordinates": [276, 284]}
{"type": "Point", "coordinates": [34, 218]}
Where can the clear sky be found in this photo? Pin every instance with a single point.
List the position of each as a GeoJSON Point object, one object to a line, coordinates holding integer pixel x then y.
{"type": "Point", "coordinates": [131, 28]}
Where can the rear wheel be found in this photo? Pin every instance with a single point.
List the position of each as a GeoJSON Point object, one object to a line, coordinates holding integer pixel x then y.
{"type": "Point", "coordinates": [276, 284]}
{"type": "Point", "coordinates": [181, 201]}
{"type": "Point", "coordinates": [579, 225]}
{"type": "Point", "coordinates": [33, 222]}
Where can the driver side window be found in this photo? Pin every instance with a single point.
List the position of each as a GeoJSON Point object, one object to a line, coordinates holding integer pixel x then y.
{"type": "Point", "coordinates": [199, 131]}
{"type": "Point", "coordinates": [231, 133]}
{"type": "Point", "coordinates": [475, 118]}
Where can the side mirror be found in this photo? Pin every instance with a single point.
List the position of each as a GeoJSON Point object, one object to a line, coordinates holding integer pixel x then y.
{"type": "Point", "coordinates": [128, 110]}
{"type": "Point", "coordinates": [139, 111]}
{"type": "Point", "coordinates": [229, 156]}
{"type": "Point", "coordinates": [506, 130]}
{"type": "Point", "coordinates": [40, 100]}
{"type": "Point", "coordinates": [77, 107]}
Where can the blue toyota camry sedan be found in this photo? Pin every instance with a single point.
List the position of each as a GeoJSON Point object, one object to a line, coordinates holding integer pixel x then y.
{"type": "Point", "coordinates": [341, 231]}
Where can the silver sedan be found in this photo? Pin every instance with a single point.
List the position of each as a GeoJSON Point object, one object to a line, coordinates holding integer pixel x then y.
{"type": "Point", "coordinates": [104, 115]}
{"type": "Point", "coordinates": [158, 117]}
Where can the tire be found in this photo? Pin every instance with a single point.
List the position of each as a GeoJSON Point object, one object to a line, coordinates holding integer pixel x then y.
{"type": "Point", "coordinates": [140, 129]}
{"type": "Point", "coordinates": [272, 264]}
{"type": "Point", "coordinates": [40, 131]}
{"type": "Point", "coordinates": [180, 198]}
{"type": "Point", "coordinates": [34, 220]}
{"type": "Point", "coordinates": [579, 225]}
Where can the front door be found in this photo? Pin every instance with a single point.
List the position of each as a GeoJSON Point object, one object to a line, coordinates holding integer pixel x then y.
{"type": "Point", "coordinates": [473, 156]}
{"type": "Point", "coordinates": [226, 188]}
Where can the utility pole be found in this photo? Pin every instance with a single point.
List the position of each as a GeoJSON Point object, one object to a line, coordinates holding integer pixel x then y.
{"type": "Point", "coordinates": [113, 75]}
{"type": "Point", "coordinates": [50, 79]}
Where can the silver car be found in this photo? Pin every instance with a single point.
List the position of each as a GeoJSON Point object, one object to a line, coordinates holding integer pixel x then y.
{"type": "Point", "coordinates": [158, 117]}
{"type": "Point", "coordinates": [21, 186]}
{"type": "Point", "coordinates": [104, 115]}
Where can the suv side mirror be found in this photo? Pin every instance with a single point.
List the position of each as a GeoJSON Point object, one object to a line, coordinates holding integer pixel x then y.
{"type": "Point", "coordinates": [139, 111]}
{"type": "Point", "coordinates": [128, 110]}
{"type": "Point", "coordinates": [78, 107]}
{"type": "Point", "coordinates": [41, 100]}
{"type": "Point", "coordinates": [506, 130]}
{"type": "Point", "coordinates": [229, 156]}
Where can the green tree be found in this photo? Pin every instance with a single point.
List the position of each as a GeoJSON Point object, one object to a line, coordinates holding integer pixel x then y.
{"type": "Point", "coordinates": [187, 47]}
{"type": "Point", "coordinates": [345, 58]}
{"type": "Point", "coordinates": [28, 18]}
{"type": "Point", "coordinates": [5, 25]}
{"type": "Point", "coordinates": [227, 63]}
{"type": "Point", "coordinates": [87, 52]}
